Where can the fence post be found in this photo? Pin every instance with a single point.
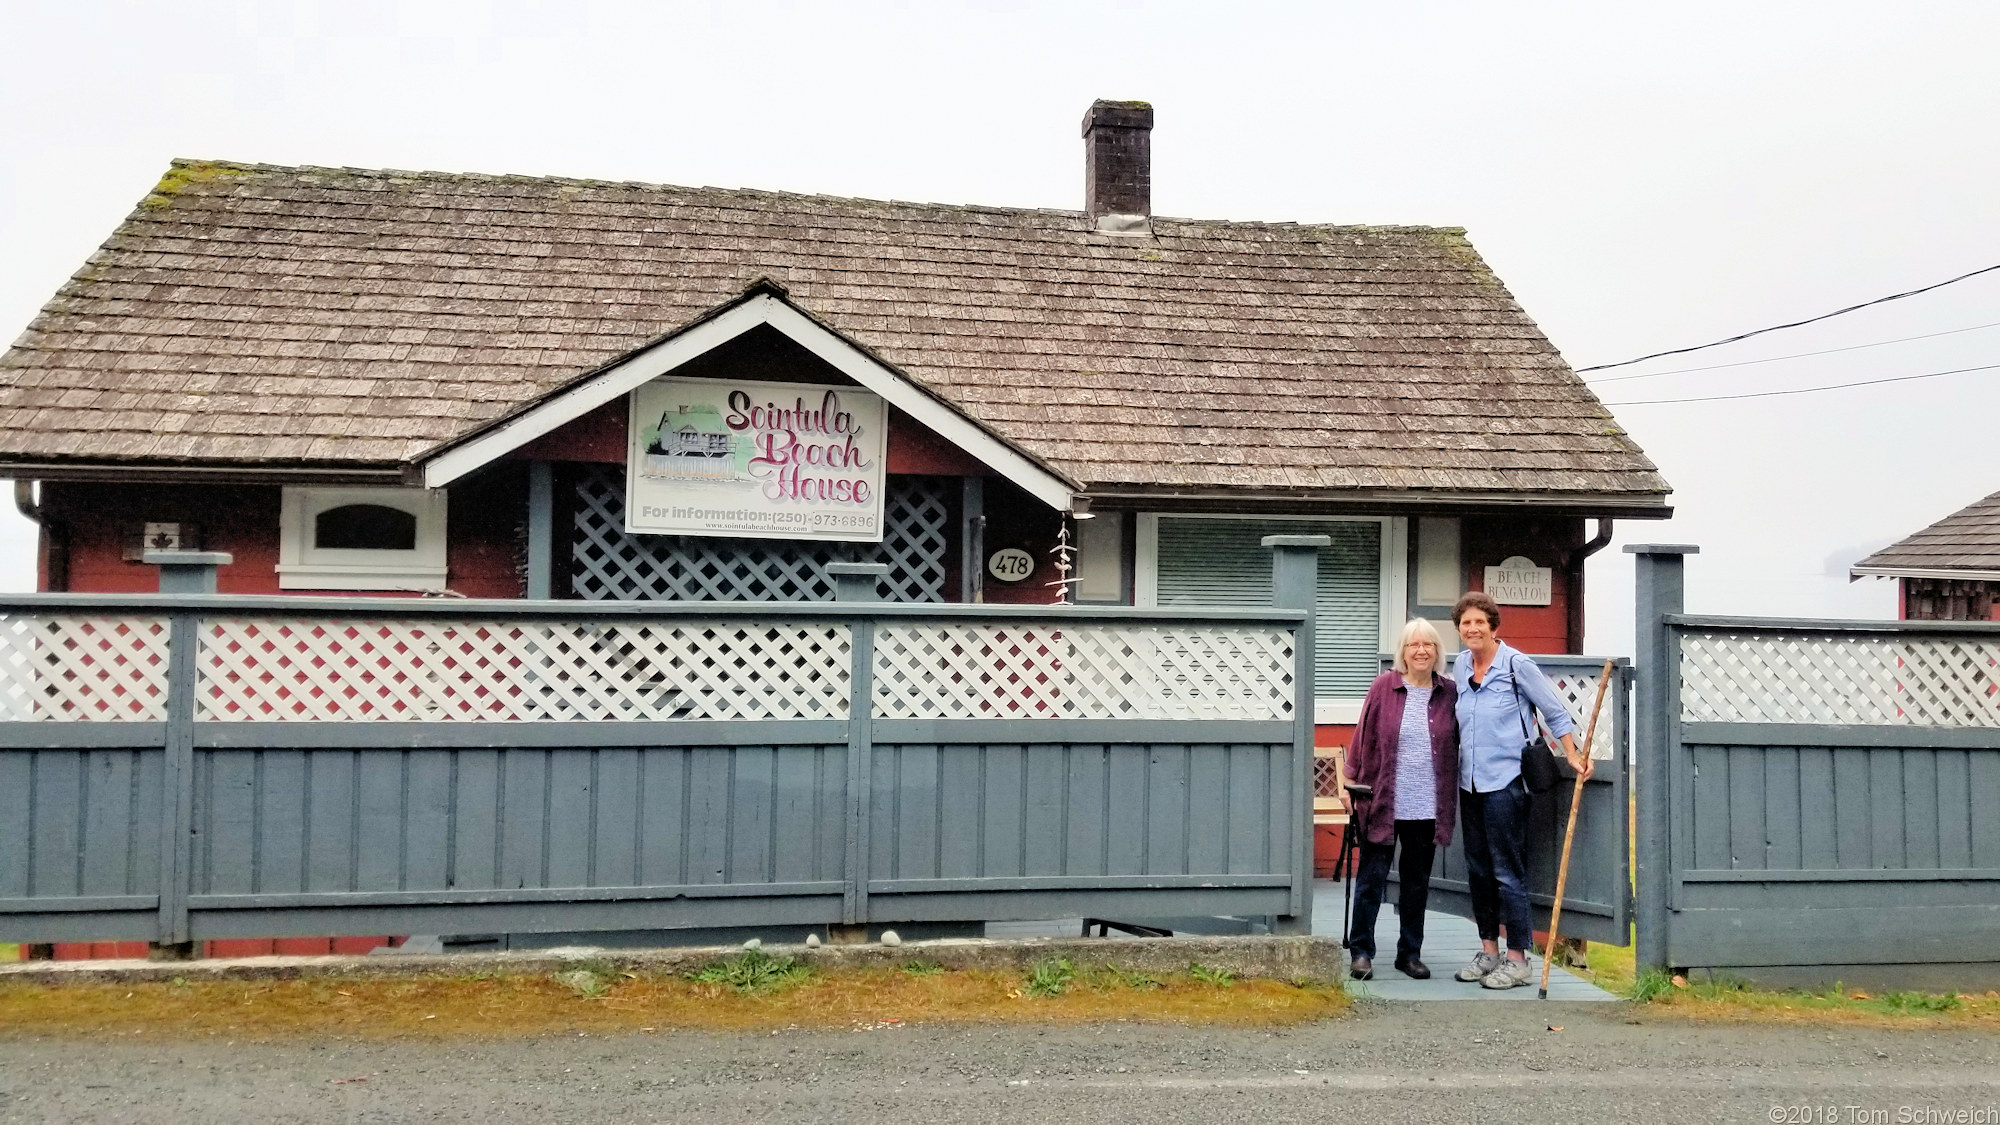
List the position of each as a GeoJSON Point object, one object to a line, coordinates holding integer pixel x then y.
{"type": "Point", "coordinates": [541, 529]}
{"type": "Point", "coordinates": [857, 582]}
{"type": "Point", "coordinates": [1661, 591]}
{"type": "Point", "coordinates": [181, 572]}
{"type": "Point", "coordinates": [1294, 585]}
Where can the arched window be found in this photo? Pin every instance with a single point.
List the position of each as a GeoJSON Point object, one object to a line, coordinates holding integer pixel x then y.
{"type": "Point", "coordinates": [357, 538]}
{"type": "Point", "coordinates": [365, 527]}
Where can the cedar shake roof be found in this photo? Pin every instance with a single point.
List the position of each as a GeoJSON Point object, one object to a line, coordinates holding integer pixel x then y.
{"type": "Point", "coordinates": [1968, 539]}
{"type": "Point", "coordinates": [257, 315]}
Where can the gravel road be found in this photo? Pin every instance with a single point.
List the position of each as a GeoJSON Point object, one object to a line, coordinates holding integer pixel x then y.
{"type": "Point", "coordinates": [1388, 1063]}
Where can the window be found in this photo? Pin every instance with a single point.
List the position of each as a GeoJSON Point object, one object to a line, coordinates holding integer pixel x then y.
{"type": "Point", "coordinates": [1100, 559]}
{"type": "Point", "coordinates": [362, 539]}
{"type": "Point", "coordinates": [1205, 560]}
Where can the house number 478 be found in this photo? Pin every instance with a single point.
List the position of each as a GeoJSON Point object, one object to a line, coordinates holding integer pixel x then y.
{"type": "Point", "coordinates": [1010, 565]}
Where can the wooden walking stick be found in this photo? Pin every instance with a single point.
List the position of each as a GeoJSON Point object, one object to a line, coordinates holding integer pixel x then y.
{"type": "Point", "coordinates": [1569, 834]}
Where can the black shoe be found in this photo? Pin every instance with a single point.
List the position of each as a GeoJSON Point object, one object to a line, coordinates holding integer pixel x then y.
{"type": "Point", "coordinates": [1363, 968]}
{"type": "Point", "coordinates": [1414, 969]}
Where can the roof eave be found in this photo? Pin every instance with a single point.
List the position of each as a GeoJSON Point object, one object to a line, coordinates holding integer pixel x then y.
{"type": "Point", "coordinates": [764, 302]}
{"type": "Point", "coordinates": [1947, 573]}
{"type": "Point", "coordinates": [1650, 506]}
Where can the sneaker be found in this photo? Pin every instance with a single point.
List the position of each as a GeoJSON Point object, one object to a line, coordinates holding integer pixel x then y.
{"type": "Point", "coordinates": [1509, 974]}
{"type": "Point", "coordinates": [1482, 964]}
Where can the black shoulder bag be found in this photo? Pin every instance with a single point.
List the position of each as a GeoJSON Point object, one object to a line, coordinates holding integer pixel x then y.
{"type": "Point", "coordinates": [1538, 762]}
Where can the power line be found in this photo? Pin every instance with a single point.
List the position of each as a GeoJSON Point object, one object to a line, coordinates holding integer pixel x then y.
{"type": "Point", "coordinates": [1799, 355]}
{"type": "Point", "coordinates": [1793, 324]}
{"type": "Point", "coordinates": [1807, 390]}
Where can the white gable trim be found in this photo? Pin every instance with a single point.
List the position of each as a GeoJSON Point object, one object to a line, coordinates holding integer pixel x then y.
{"type": "Point", "coordinates": [704, 337]}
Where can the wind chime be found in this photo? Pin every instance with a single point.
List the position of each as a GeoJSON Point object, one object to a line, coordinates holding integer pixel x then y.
{"type": "Point", "coordinates": [1064, 555]}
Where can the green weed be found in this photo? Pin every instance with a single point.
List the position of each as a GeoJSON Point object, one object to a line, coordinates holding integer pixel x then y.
{"type": "Point", "coordinates": [1651, 985]}
{"type": "Point", "coordinates": [1220, 978]}
{"type": "Point", "coordinates": [753, 970]}
{"type": "Point", "coordinates": [1051, 977]}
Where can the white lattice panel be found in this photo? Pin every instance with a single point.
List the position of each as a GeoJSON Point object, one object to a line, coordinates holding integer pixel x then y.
{"type": "Point", "coordinates": [518, 671]}
{"type": "Point", "coordinates": [608, 563]}
{"type": "Point", "coordinates": [60, 667]}
{"type": "Point", "coordinates": [933, 670]}
{"type": "Point", "coordinates": [1578, 691]}
{"type": "Point", "coordinates": [1864, 679]}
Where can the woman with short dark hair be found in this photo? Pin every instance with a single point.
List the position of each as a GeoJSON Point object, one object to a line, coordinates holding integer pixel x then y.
{"type": "Point", "coordinates": [1499, 693]}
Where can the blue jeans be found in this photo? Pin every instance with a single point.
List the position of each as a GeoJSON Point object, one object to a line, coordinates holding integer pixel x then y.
{"type": "Point", "coordinates": [1496, 831]}
{"type": "Point", "coordinates": [1418, 838]}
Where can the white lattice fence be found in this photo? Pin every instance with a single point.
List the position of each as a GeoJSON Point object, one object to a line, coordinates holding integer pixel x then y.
{"type": "Point", "coordinates": [265, 670]}
{"type": "Point", "coordinates": [1578, 691]}
{"type": "Point", "coordinates": [63, 667]}
{"type": "Point", "coordinates": [609, 563]}
{"type": "Point", "coordinates": [935, 670]}
{"type": "Point", "coordinates": [1865, 679]}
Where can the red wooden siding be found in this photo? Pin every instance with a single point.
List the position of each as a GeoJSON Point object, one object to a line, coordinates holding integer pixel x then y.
{"type": "Point", "coordinates": [482, 550]}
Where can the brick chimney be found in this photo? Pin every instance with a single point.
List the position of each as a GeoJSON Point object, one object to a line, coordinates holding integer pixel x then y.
{"type": "Point", "coordinates": [1118, 166]}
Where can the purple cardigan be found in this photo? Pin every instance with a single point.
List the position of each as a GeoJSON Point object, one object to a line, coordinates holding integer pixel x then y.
{"type": "Point", "coordinates": [1371, 755]}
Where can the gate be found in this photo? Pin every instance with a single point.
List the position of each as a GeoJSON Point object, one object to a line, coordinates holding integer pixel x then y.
{"type": "Point", "coordinates": [1814, 792]}
{"type": "Point", "coordinates": [1597, 905]}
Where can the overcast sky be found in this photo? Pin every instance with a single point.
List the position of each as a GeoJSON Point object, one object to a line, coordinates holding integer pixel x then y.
{"type": "Point", "coordinates": [1641, 179]}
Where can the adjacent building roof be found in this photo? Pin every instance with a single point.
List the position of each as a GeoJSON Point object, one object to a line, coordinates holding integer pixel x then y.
{"type": "Point", "coordinates": [1964, 544]}
{"type": "Point", "coordinates": [253, 315]}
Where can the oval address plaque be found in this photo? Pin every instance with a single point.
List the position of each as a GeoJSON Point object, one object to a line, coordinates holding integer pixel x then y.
{"type": "Point", "coordinates": [1010, 564]}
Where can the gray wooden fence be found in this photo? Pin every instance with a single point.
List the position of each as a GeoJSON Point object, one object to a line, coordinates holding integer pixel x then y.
{"type": "Point", "coordinates": [1813, 793]}
{"type": "Point", "coordinates": [188, 767]}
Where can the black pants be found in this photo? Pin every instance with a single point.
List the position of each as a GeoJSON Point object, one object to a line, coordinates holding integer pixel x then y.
{"type": "Point", "coordinates": [1496, 867]}
{"type": "Point", "coordinates": [1419, 841]}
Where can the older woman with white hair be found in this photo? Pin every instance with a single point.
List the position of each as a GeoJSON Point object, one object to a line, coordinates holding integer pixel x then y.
{"type": "Point", "coordinates": [1405, 748]}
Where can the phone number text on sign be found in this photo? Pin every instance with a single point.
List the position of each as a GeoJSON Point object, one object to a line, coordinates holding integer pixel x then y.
{"type": "Point", "coordinates": [755, 460]}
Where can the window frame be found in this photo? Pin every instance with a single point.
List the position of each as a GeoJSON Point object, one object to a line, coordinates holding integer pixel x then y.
{"type": "Point", "coordinates": [1393, 578]}
{"type": "Point", "coordinates": [304, 566]}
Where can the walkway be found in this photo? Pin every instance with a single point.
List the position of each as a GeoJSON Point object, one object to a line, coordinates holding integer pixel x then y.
{"type": "Point", "coordinates": [1449, 943]}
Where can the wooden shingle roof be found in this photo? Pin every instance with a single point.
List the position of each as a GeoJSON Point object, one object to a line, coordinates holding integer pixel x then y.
{"type": "Point", "coordinates": [254, 315]}
{"type": "Point", "coordinates": [1966, 540]}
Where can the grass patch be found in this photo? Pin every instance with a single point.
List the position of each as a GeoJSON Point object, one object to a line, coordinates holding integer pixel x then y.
{"type": "Point", "coordinates": [1051, 977]}
{"type": "Point", "coordinates": [1725, 999]}
{"type": "Point", "coordinates": [922, 968]}
{"type": "Point", "coordinates": [753, 970]}
{"type": "Point", "coordinates": [1220, 978]}
{"type": "Point", "coordinates": [489, 1005]}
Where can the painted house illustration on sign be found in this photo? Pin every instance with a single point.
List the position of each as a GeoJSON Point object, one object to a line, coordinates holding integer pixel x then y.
{"type": "Point", "coordinates": [385, 381]}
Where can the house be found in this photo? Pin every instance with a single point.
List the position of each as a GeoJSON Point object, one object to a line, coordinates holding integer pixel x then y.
{"type": "Point", "coordinates": [1949, 571]}
{"type": "Point", "coordinates": [382, 381]}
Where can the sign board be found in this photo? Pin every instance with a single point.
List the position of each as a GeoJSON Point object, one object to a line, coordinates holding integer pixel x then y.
{"type": "Point", "coordinates": [755, 460]}
{"type": "Point", "coordinates": [1518, 581]}
{"type": "Point", "coordinates": [1011, 564]}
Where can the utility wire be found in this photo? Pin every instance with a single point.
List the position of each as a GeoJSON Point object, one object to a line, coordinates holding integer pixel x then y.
{"type": "Point", "coordinates": [1807, 390]}
{"type": "Point", "coordinates": [1799, 355]}
{"type": "Point", "coordinates": [1793, 324]}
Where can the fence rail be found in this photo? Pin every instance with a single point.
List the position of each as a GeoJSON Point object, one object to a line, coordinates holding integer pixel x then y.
{"type": "Point", "coordinates": [192, 767]}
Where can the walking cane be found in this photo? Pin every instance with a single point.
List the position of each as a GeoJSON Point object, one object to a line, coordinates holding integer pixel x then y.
{"type": "Point", "coordinates": [1356, 793]}
{"type": "Point", "coordinates": [1569, 834]}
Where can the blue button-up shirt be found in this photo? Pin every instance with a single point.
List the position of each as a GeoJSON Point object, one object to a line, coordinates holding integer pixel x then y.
{"type": "Point", "coordinates": [1491, 727]}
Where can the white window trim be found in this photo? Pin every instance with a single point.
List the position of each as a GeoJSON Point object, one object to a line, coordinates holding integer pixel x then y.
{"type": "Point", "coordinates": [1394, 578]}
{"type": "Point", "coordinates": [301, 566]}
